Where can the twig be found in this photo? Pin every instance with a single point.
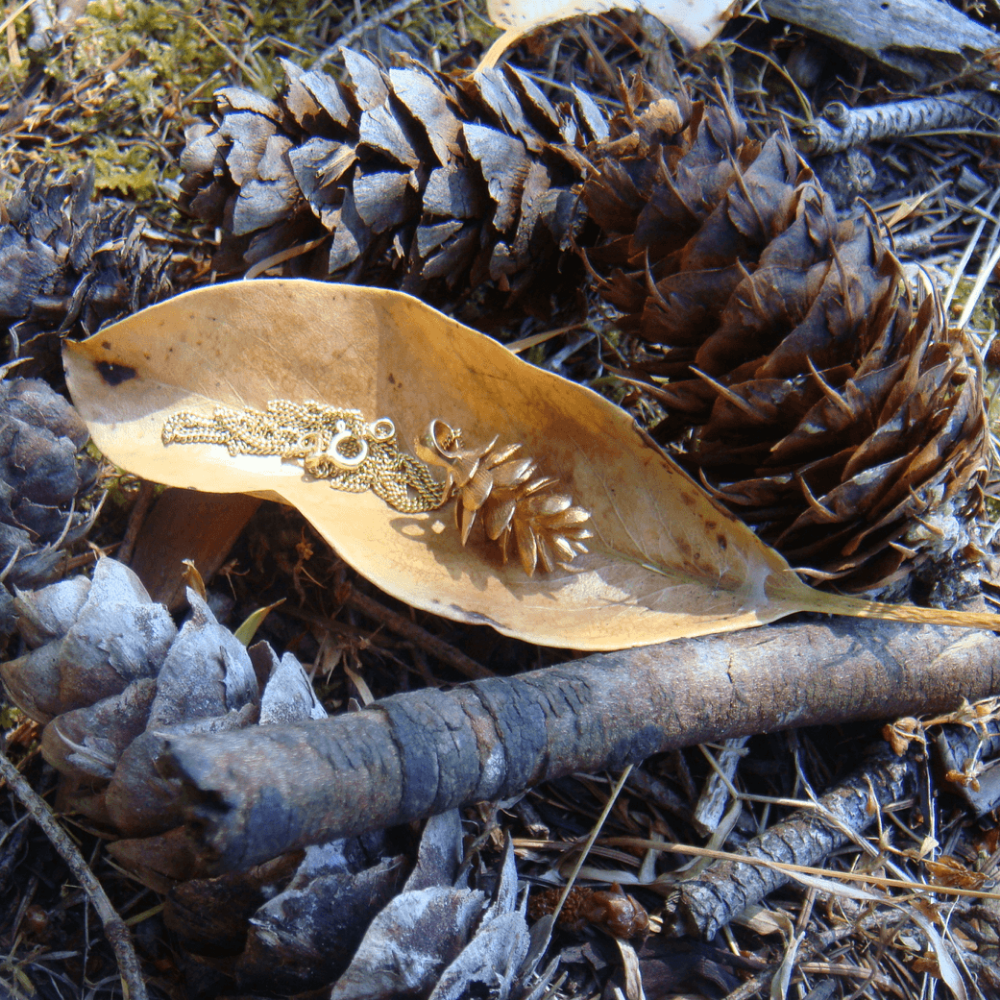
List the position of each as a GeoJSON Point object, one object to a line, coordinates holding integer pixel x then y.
{"type": "Point", "coordinates": [714, 796]}
{"type": "Point", "coordinates": [709, 902]}
{"type": "Point", "coordinates": [420, 637]}
{"type": "Point", "coordinates": [959, 270]}
{"type": "Point", "coordinates": [253, 794]}
{"type": "Point", "coordinates": [346, 41]}
{"type": "Point", "coordinates": [10, 18]}
{"type": "Point", "coordinates": [846, 127]}
{"type": "Point", "coordinates": [589, 843]}
{"type": "Point", "coordinates": [643, 784]}
{"type": "Point", "coordinates": [114, 927]}
{"type": "Point", "coordinates": [41, 28]}
{"type": "Point", "coordinates": [408, 631]}
{"type": "Point", "coordinates": [147, 493]}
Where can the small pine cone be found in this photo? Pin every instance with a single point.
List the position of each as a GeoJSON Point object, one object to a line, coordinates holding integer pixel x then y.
{"type": "Point", "coordinates": [70, 264]}
{"type": "Point", "coordinates": [46, 480]}
{"type": "Point", "coordinates": [814, 394]}
{"type": "Point", "coordinates": [403, 177]}
{"type": "Point", "coordinates": [504, 493]}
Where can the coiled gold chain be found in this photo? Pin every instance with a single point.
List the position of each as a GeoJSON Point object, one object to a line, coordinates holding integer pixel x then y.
{"type": "Point", "coordinates": [338, 445]}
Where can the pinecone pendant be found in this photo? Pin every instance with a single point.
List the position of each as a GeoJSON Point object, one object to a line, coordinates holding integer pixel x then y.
{"type": "Point", "coordinates": [504, 492]}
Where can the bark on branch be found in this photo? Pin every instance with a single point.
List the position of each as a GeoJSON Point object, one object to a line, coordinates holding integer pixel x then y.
{"type": "Point", "coordinates": [253, 794]}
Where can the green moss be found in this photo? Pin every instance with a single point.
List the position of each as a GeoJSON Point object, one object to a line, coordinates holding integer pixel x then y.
{"type": "Point", "coordinates": [131, 74]}
{"type": "Point", "coordinates": [478, 25]}
{"type": "Point", "coordinates": [132, 171]}
{"type": "Point", "coordinates": [535, 355]}
{"type": "Point", "coordinates": [10, 716]}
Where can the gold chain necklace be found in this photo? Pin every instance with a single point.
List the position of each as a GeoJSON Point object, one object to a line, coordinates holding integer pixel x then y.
{"type": "Point", "coordinates": [338, 445]}
{"type": "Point", "coordinates": [519, 508]}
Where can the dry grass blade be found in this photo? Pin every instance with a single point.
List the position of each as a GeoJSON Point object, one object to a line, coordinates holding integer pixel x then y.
{"type": "Point", "coordinates": [867, 878]}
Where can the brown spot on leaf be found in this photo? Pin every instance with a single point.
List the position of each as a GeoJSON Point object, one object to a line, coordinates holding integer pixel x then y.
{"type": "Point", "coordinates": [115, 374]}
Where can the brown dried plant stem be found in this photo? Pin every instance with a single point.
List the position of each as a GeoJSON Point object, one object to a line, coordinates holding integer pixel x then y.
{"type": "Point", "coordinates": [253, 794]}
{"type": "Point", "coordinates": [115, 928]}
{"type": "Point", "coordinates": [407, 630]}
{"type": "Point", "coordinates": [420, 637]}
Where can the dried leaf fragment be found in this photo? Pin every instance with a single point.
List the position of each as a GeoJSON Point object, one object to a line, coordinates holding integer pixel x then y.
{"type": "Point", "coordinates": [695, 22]}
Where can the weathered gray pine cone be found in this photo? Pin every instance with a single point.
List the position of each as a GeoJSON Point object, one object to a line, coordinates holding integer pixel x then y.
{"type": "Point", "coordinates": [113, 679]}
{"type": "Point", "coordinates": [46, 480]}
{"type": "Point", "coordinates": [401, 177]}
{"type": "Point", "coordinates": [69, 263]}
{"type": "Point", "coordinates": [89, 640]}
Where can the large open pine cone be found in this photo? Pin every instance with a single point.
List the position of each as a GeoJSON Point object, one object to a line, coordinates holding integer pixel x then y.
{"type": "Point", "coordinates": [401, 177]}
{"type": "Point", "coordinates": [805, 384]}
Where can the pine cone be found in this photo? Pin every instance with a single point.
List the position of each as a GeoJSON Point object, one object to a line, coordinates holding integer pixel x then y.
{"type": "Point", "coordinates": [504, 493]}
{"type": "Point", "coordinates": [828, 407]}
{"type": "Point", "coordinates": [88, 641]}
{"type": "Point", "coordinates": [812, 392]}
{"type": "Point", "coordinates": [46, 479]}
{"type": "Point", "coordinates": [405, 178]}
{"type": "Point", "coordinates": [113, 678]}
{"type": "Point", "coordinates": [68, 263]}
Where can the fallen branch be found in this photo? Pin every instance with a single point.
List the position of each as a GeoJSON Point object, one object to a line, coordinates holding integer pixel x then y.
{"type": "Point", "coordinates": [845, 128]}
{"type": "Point", "coordinates": [253, 794]}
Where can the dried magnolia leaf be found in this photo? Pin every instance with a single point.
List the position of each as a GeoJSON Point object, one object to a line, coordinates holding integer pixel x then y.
{"type": "Point", "coordinates": [663, 562]}
{"type": "Point", "coordinates": [695, 22]}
